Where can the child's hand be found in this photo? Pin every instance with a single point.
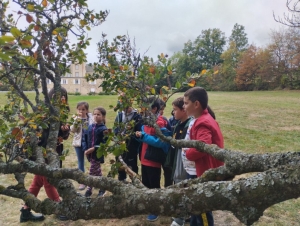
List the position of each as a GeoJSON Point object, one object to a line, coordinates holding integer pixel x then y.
{"type": "Point", "coordinates": [65, 127]}
{"type": "Point", "coordinates": [89, 151]}
{"type": "Point", "coordinates": [138, 133]}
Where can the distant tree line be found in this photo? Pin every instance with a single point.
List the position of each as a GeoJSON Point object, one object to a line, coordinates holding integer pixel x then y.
{"type": "Point", "coordinates": [231, 64]}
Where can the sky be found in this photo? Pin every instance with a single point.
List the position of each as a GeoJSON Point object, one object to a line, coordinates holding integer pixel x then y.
{"type": "Point", "coordinates": [163, 26]}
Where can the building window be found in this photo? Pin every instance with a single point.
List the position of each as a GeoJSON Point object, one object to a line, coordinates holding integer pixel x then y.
{"type": "Point", "coordinates": [76, 74]}
{"type": "Point", "coordinates": [92, 82]}
{"type": "Point", "coordinates": [76, 81]}
{"type": "Point", "coordinates": [76, 66]}
{"type": "Point", "coordinates": [64, 81]}
{"type": "Point", "coordinates": [68, 75]}
{"type": "Point", "coordinates": [76, 90]}
{"type": "Point", "coordinates": [92, 90]}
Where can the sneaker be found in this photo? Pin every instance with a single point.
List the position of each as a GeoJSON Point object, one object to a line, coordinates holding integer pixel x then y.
{"type": "Point", "coordinates": [26, 215]}
{"type": "Point", "coordinates": [174, 223]}
{"type": "Point", "coordinates": [101, 193]}
{"type": "Point", "coordinates": [152, 217]}
{"type": "Point", "coordinates": [62, 217]}
{"type": "Point", "coordinates": [81, 187]}
{"type": "Point", "coordinates": [88, 193]}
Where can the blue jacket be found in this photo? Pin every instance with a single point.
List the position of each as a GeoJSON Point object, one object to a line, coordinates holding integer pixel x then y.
{"type": "Point", "coordinates": [93, 137]}
{"type": "Point", "coordinates": [155, 141]}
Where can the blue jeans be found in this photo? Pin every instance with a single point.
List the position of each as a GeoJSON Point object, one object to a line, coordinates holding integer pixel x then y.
{"type": "Point", "coordinates": [80, 158]}
{"type": "Point", "coordinates": [203, 219]}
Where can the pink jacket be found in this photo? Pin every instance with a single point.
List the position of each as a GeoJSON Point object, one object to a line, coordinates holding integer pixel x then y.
{"type": "Point", "coordinates": [207, 130]}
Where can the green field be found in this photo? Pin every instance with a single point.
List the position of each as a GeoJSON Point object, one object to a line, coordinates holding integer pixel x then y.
{"type": "Point", "coordinates": [252, 122]}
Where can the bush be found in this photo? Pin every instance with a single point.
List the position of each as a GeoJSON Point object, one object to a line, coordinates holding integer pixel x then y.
{"type": "Point", "coordinates": [77, 94]}
{"type": "Point", "coordinates": [107, 93]}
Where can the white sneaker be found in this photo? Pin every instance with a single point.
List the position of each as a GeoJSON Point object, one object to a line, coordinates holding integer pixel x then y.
{"type": "Point", "coordinates": [174, 223]}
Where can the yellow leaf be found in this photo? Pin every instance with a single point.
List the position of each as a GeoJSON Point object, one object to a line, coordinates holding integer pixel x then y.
{"type": "Point", "coordinates": [59, 38]}
{"type": "Point", "coordinates": [44, 3]}
{"type": "Point", "coordinates": [30, 7]}
{"type": "Point", "coordinates": [82, 22]}
{"type": "Point", "coordinates": [54, 32]}
{"type": "Point", "coordinates": [192, 83]}
{"type": "Point", "coordinates": [203, 72]}
{"type": "Point", "coordinates": [33, 126]}
{"type": "Point", "coordinates": [162, 55]}
{"type": "Point", "coordinates": [216, 72]}
{"type": "Point", "coordinates": [152, 90]}
{"type": "Point", "coordinates": [21, 141]}
{"type": "Point", "coordinates": [25, 43]}
{"type": "Point", "coordinates": [165, 87]}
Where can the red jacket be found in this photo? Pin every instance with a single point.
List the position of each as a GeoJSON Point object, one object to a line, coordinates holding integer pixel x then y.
{"type": "Point", "coordinates": [207, 130]}
{"type": "Point", "coordinates": [151, 131]}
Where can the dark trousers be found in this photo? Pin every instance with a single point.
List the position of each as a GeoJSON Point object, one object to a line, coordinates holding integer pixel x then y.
{"type": "Point", "coordinates": [168, 176]}
{"type": "Point", "coordinates": [151, 176]}
{"type": "Point", "coordinates": [202, 219]}
{"type": "Point", "coordinates": [131, 161]}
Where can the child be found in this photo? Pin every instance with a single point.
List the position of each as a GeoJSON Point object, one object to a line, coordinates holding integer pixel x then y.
{"type": "Point", "coordinates": [172, 121]}
{"type": "Point", "coordinates": [92, 139]}
{"type": "Point", "coordinates": [40, 181]}
{"type": "Point", "coordinates": [167, 170]}
{"type": "Point", "coordinates": [151, 170]}
{"type": "Point", "coordinates": [207, 130]}
{"type": "Point", "coordinates": [178, 172]}
{"type": "Point", "coordinates": [132, 144]}
{"type": "Point", "coordinates": [79, 127]}
{"type": "Point", "coordinates": [188, 165]}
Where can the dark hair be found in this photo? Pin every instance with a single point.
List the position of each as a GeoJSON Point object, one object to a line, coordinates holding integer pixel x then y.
{"type": "Point", "coordinates": [63, 92]}
{"type": "Point", "coordinates": [211, 112]}
{"type": "Point", "coordinates": [197, 94]}
{"type": "Point", "coordinates": [102, 111]}
{"type": "Point", "coordinates": [162, 103]}
{"type": "Point", "coordinates": [178, 103]}
{"type": "Point", "coordinates": [85, 104]}
{"type": "Point", "coordinates": [155, 103]}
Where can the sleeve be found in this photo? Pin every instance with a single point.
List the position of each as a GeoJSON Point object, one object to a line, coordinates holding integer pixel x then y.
{"type": "Point", "coordinates": [154, 141]}
{"type": "Point", "coordinates": [65, 134]}
{"type": "Point", "coordinates": [84, 140]}
{"type": "Point", "coordinates": [116, 130]}
{"type": "Point", "coordinates": [204, 135]}
{"type": "Point", "coordinates": [75, 129]}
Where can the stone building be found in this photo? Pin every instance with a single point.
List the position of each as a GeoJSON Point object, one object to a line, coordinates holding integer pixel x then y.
{"type": "Point", "coordinates": [76, 81]}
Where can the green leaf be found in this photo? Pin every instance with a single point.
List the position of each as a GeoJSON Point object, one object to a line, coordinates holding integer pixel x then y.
{"type": "Point", "coordinates": [30, 7]}
{"type": "Point", "coordinates": [62, 157]}
{"type": "Point", "coordinates": [15, 32]}
{"type": "Point", "coordinates": [177, 85]}
{"type": "Point", "coordinates": [169, 68]}
{"type": "Point", "coordinates": [28, 37]}
{"type": "Point", "coordinates": [188, 74]}
{"type": "Point", "coordinates": [4, 57]}
{"type": "Point", "coordinates": [7, 38]}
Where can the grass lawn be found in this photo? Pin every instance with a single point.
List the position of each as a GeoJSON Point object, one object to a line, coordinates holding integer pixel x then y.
{"type": "Point", "coordinates": [253, 122]}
